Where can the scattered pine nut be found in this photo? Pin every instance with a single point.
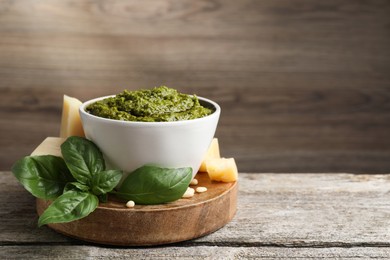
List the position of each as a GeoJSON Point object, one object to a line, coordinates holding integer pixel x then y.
{"type": "Point", "coordinates": [201, 189]}
{"type": "Point", "coordinates": [130, 204]}
{"type": "Point", "coordinates": [194, 182]}
{"type": "Point", "coordinates": [189, 193]}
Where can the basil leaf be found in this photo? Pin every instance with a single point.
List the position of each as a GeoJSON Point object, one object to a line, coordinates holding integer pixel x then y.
{"type": "Point", "coordinates": [105, 181]}
{"type": "Point", "coordinates": [43, 176]}
{"type": "Point", "coordinates": [154, 185]}
{"type": "Point", "coordinates": [76, 186]}
{"type": "Point", "coordinates": [83, 158]}
{"type": "Point", "coordinates": [68, 207]}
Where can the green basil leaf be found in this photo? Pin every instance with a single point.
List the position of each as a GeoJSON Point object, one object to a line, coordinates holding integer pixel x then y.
{"type": "Point", "coordinates": [154, 185]}
{"type": "Point", "coordinates": [105, 181]}
{"type": "Point", "coordinates": [43, 176]}
{"type": "Point", "coordinates": [76, 186]}
{"type": "Point", "coordinates": [83, 158]}
{"type": "Point", "coordinates": [70, 206]}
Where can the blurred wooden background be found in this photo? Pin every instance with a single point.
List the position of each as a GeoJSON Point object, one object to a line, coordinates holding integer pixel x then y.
{"type": "Point", "coordinates": [304, 85]}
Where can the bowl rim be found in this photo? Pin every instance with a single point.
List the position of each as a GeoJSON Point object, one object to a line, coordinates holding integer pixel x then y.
{"type": "Point", "coordinates": [83, 112]}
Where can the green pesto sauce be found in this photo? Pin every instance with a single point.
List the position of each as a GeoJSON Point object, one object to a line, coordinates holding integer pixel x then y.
{"type": "Point", "coordinates": [160, 104]}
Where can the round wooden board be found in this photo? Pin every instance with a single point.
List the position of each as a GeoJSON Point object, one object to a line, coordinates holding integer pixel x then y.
{"type": "Point", "coordinates": [146, 225]}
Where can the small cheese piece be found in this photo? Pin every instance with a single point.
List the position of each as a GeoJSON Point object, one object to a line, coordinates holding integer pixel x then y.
{"type": "Point", "coordinates": [212, 152]}
{"type": "Point", "coordinates": [222, 169]}
{"type": "Point", "coordinates": [71, 122]}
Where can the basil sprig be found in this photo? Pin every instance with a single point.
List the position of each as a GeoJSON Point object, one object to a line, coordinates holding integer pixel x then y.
{"type": "Point", "coordinates": [78, 181]}
{"type": "Point", "coordinates": [75, 182]}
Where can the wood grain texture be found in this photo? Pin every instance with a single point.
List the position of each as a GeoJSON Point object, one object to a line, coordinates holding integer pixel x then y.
{"type": "Point", "coordinates": [185, 252]}
{"type": "Point", "coordinates": [304, 85]}
{"type": "Point", "coordinates": [278, 216]}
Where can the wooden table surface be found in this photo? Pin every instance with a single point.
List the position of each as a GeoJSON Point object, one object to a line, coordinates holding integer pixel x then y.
{"type": "Point", "coordinates": [279, 216]}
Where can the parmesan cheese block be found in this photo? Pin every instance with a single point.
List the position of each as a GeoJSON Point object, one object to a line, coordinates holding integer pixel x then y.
{"type": "Point", "coordinates": [71, 122]}
{"type": "Point", "coordinates": [212, 152]}
{"type": "Point", "coordinates": [50, 146]}
{"type": "Point", "coordinates": [222, 169]}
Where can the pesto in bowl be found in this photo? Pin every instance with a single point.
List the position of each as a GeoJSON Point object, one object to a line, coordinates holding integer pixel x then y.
{"type": "Point", "coordinates": [160, 104]}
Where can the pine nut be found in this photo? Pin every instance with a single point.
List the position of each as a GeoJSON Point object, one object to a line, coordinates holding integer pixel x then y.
{"type": "Point", "coordinates": [201, 189]}
{"type": "Point", "coordinates": [194, 182]}
{"type": "Point", "coordinates": [130, 204]}
{"type": "Point", "coordinates": [189, 193]}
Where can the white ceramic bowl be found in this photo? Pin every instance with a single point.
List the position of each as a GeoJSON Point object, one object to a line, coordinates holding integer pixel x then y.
{"type": "Point", "coordinates": [128, 145]}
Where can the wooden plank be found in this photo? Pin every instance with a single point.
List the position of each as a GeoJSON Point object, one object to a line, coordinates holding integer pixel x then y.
{"type": "Point", "coordinates": [271, 139]}
{"type": "Point", "coordinates": [274, 210]}
{"type": "Point", "coordinates": [188, 252]}
{"type": "Point", "coordinates": [303, 84]}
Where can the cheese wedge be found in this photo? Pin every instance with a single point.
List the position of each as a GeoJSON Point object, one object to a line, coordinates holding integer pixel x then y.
{"type": "Point", "coordinates": [222, 169]}
{"type": "Point", "coordinates": [70, 121]}
{"type": "Point", "coordinates": [212, 152]}
{"type": "Point", "coordinates": [49, 146]}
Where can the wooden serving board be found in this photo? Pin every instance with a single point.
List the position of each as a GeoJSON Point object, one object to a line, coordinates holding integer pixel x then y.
{"type": "Point", "coordinates": [112, 223]}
